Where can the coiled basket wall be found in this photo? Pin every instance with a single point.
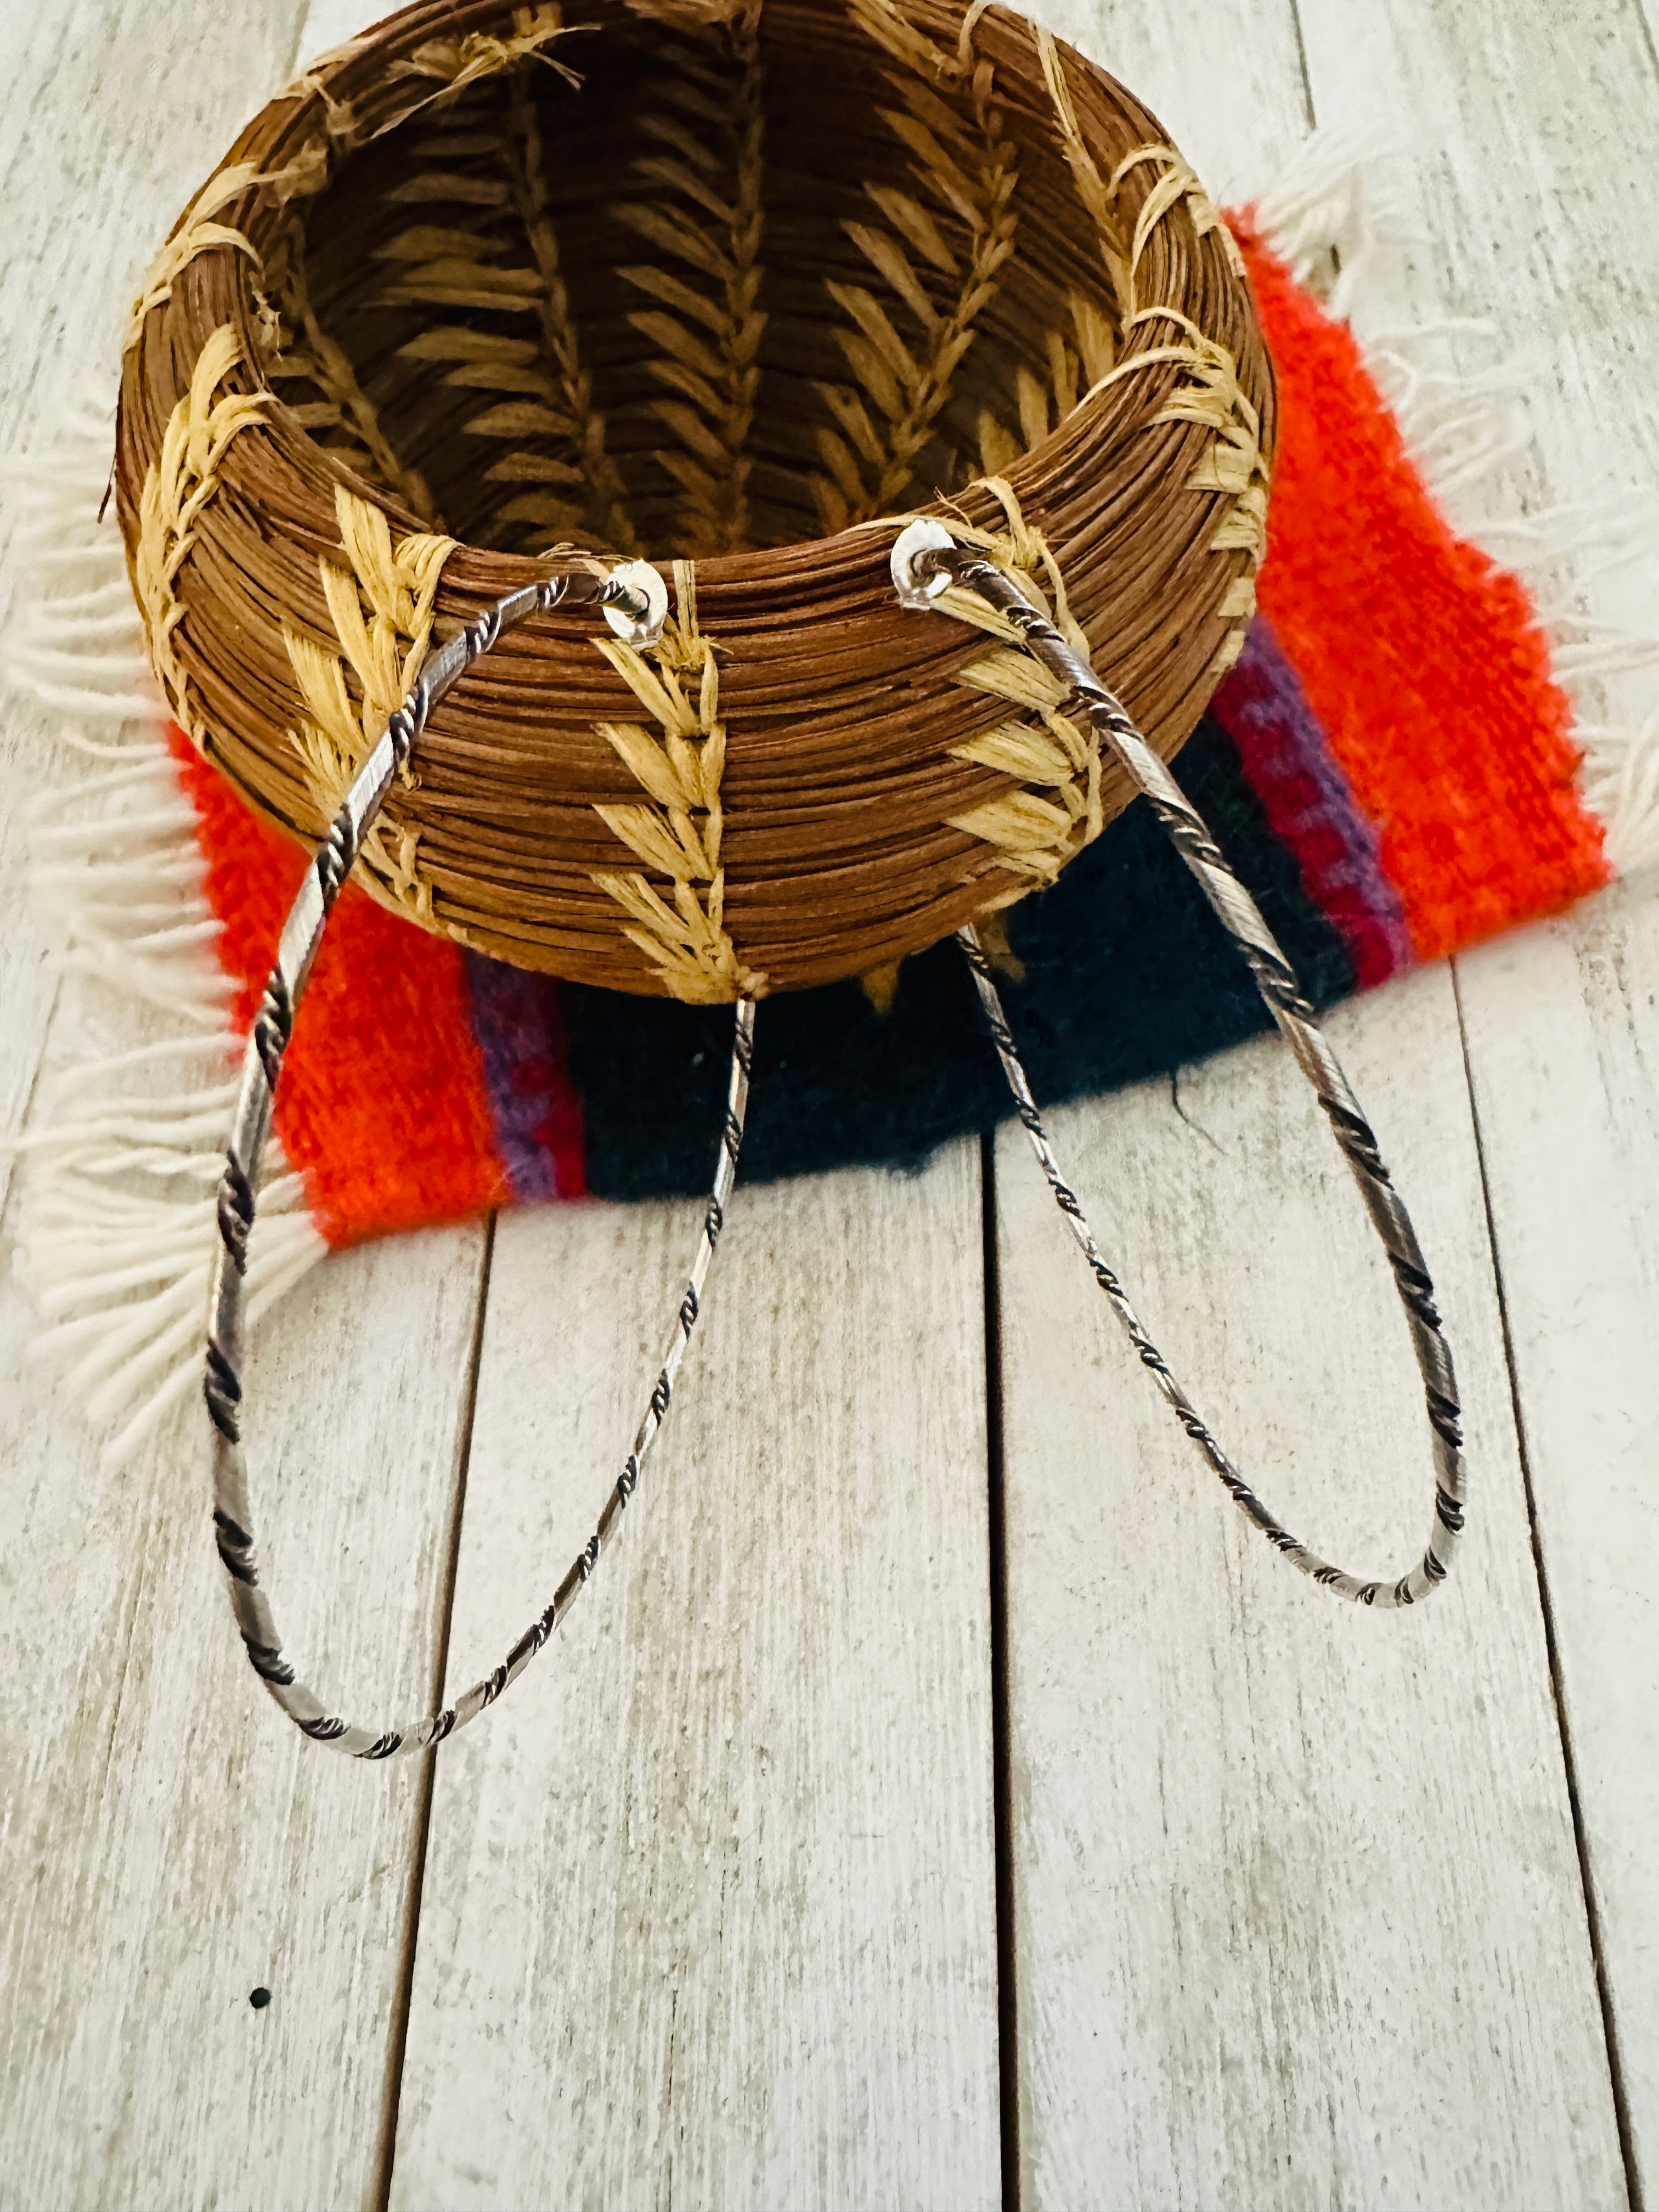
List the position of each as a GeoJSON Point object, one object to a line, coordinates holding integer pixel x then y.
{"type": "Point", "coordinates": [733, 287]}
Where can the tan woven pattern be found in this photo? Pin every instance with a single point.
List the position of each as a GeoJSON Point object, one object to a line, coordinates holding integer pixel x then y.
{"type": "Point", "coordinates": [179, 483]}
{"type": "Point", "coordinates": [381, 605]}
{"type": "Point", "coordinates": [680, 930]}
{"type": "Point", "coordinates": [726, 284]}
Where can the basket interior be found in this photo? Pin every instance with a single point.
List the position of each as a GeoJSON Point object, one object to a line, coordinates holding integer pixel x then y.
{"type": "Point", "coordinates": [693, 286]}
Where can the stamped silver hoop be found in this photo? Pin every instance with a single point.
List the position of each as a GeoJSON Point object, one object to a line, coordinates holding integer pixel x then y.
{"type": "Point", "coordinates": [926, 561]}
{"type": "Point", "coordinates": [929, 567]}
{"type": "Point", "coordinates": [639, 610]}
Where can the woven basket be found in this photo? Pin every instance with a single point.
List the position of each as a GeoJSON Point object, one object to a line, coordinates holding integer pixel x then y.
{"type": "Point", "coordinates": [729, 289]}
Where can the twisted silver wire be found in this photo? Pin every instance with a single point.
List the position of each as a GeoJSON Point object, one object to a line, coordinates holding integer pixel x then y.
{"type": "Point", "coordinates": [1276, 981]}
{"type": "Point", "coordinates": [262, 1070]}
{"type": "Point", "coordinates": [920, 576]}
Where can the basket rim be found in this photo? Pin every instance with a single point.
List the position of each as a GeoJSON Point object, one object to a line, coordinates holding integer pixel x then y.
{"type": "Point", "coordinates": [1092, 491]}
{"type": "Point", "coordinates": [1102, 415]}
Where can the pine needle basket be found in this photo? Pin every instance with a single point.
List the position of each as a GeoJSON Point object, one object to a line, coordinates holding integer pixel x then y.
{"type": "Point", "coordinates": [735, 289]}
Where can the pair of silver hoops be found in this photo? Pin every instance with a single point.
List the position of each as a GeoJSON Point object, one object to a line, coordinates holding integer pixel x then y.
{"type": "Point", "coordinates": [926, 559]}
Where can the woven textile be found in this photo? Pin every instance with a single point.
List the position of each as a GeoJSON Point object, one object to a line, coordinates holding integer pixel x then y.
{"type": "Point", "coordinates": [1390, 766]}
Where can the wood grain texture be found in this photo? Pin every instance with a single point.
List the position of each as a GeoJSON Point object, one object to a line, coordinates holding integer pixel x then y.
{"type": "Point", "coordinates": [1562, 1028]}
{"type": "Point", "coordinates": [708, 1912]}
{"type": "Point", "coordinates": [90, 184]}
{"type": "Point", "coordinates": [1222, 76]}
{"type": "Point", "coordinates": [167, 1844]}
{"type": "Point", "coordinates": [1528, 133]}
{"type": "Point", "coordinates": [1514, 139]}
{"type": "Point", "coordinates": [1298, 1917]}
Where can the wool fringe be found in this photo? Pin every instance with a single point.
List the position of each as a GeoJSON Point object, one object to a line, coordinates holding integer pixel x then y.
{"type": "Point", "coordinates": [121, 1171]}
{"type": "Point", "coordinates": [1335, 217]}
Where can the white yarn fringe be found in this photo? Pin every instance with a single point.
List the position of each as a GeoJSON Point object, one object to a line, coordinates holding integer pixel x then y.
{"type": "Point", "coordinates": [1335, 217]}
{"type": "Point", "coordinates": [119, 1175]}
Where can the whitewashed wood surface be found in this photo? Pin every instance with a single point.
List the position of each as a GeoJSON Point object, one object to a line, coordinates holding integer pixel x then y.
{"type": "Point", "coordinates": [739, 1824]}
{"type": "Point", "coordinates": [1284, 1906]}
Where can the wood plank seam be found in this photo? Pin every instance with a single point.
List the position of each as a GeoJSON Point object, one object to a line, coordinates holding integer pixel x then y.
{"type": "Point", "coordinates": [1595, 1932]}
{"type": "Point", "coordinates": [1001, 1719]}
{"type": "Point", "coordinates": [1199, 1902]}
{"type": "Point", "coordinates": [399, 2042]}
{"type": "Point", "coordinates": [143, 1886]}
{"type": "Point", "coordinates": [1592, 1911]}
{"type": "Point", "coordinates": [1593, 1929]}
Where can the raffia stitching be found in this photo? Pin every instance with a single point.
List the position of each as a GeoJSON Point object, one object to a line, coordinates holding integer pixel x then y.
{"type": "Point", "coordinates": [965, 178]}
{"type": "Point", "coordinates": [381, 608]}
{"type": "Point", "coordinates": [462, 60]}
{"type": "Point", "coordinates": [1092, 188]}
{"type": "Point", "coordinates": [679, 835]}
{"type": "Point", "coordinates": [198, 231]}
{"type": "Point", "coordinates": [1232, 465]}
{"type": "Point", "coordinates": [306, 353]}
{"type": "Point", "coordinates": [460, 262]}
{"type": "Point", "coordinates": [524, 403]}
{"type": "Point", "coordinates": [453, 265]}
{"type": "Point", "coordinates": [178, 485]}
{"type": "Point", "coordinates": [1099, 194]}
{"type": "Point", "coordinates": [1075, 367]}
{"type": "Point", "coordinates": [455, 254]}
{"type": "Point", "coordinates": [495, 248]}
{"type": "Point", "coordinates": [339, 116]}
{"type": "Point", "coordinates": [453, 64]}
{"type": "Point", "coordinates": [1214, 396]}
{"type": "Point", "coordinates": [573, 419]}
{"type": "Point", "coordinates": [1056, 808]}
{"type": "Point", "coordinates": [1178, 182]}
{"type": "Point", "coordinates": [707, 321]}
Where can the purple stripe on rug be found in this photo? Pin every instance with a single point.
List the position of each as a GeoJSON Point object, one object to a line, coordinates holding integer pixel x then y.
{"type": "Point", "coordinates": [1310, 805]}
{"type": "Point", "coordinates": [519, 1023]}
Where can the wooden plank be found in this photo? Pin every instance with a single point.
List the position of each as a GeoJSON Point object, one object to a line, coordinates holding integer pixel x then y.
{"type": "Point", "coordinates": [1513, 147]}
{"type": "Point", "coordinates": [170, 1842]}
{"type": "Point", "coordinates": [330, 23]}
{"type": "Point", "coordinates": [1531, 139]}
{"type": "Point", "coordinates": [1222, 76]}
{"type": "Point", "coordinates": [1562, 1036]}
{"type": "Point", "coordinates": [1298, 1912]}
{"type": "Point", "coordinates": [90, 184]}
{"type": "Point", "coordinates": [1462, 61]}
{"type": "Point", "coordinates": [166, 1842]}
{"type": "Point", "coordinates": [708, 1910]}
